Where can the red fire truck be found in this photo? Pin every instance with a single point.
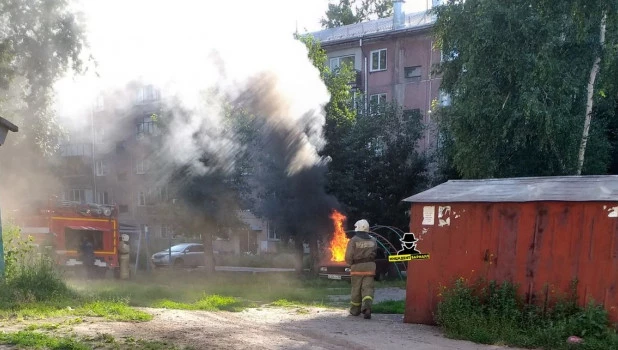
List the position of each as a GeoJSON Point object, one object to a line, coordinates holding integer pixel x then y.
{"type": "Point", "coordinates": [63, 225]}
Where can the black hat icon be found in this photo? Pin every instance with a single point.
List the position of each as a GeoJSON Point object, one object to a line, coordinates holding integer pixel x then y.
{"type": "Point", "coordinates": [408, 237]}
{"type": "Point", "coordinates": [408, 244]}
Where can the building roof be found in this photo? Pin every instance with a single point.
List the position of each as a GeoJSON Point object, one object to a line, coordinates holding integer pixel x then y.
{"type": "Point", "coordinates": [8, 125]}
{"type": "Point", "coordinates": [382, 26]}
{"type": "Point", "coordinates": [530, 189]}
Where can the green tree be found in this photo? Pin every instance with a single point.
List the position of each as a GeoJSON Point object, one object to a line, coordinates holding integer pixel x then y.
{"type": "Point", "coordinates": [518, 74]}
{"type": "Point", "coordinates": [373, 155]}
{"type": "Point", "coordinates": [379, 164]}
{"type": "Point", "coordinates": [352, 11]}
{"type": "Point", "coordinates": [40, 40]}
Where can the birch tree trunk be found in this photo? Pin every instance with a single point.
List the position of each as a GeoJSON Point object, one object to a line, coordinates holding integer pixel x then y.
{"type": "Point", "coordinates": [589, 103]}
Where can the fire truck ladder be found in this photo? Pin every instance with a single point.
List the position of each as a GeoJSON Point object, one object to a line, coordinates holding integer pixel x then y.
{"type": "Point", "coordinates": [390, 248]}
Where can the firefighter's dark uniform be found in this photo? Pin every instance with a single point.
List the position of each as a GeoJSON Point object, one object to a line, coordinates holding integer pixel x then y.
{"type": "Point", "coordinates": [360, 254]}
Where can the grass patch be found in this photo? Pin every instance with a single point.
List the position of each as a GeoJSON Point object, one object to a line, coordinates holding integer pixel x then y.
{"type": "Point", "coordinates": [283, 303]}
{"type": "Point", "coordinates": [38, 310]}
{"type": "Point", "coordinates": [389, 307]}
{"type": "Point", "coordinates": [41, 340]}
{"type": "Point", "coordinates": [494, 314]}
{"type": "Point", "coordinates": [115, 311]}
{"type": "Point", "coordinates": [207, 303]}
{"type": "Point", "coordinates": [188, 286]}
{"type": "Point", "coordinates": [43, 326]}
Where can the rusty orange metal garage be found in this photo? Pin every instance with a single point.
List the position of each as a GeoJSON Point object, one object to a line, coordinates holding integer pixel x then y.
{"type": "Point", "coordinates": [540, 233]}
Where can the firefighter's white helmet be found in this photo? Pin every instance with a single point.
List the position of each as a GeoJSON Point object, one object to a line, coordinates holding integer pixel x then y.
{"type": "Point", "coordinates": [124, 237]}
{"type": "Point", "coordinates": [361, 225]}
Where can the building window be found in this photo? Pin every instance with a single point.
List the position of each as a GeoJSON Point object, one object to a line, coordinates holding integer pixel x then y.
{"type": "Point", "coordinates": [166, 231]}
{"type": "Point", "coordinates": [76, 149]}
{"type": "Point", "coordinates": [75, 195]}
{"type": "Point", "coordinates": [162, 194]}
{"type": "Point", "coordinates": [103, 198]}
{"type": "Point", "coordinates": [123, 208]}
{"type": "Point", "coordinates": [273, 235]}
{"type": "Point", "coordinates": [148, 93]}
{"type": "Point", "coordinates": [141, 198]}
{"type": "Point", "coordinates": [375, 101]}
{"type": "Point", "coordinates": [142, 166]}
{"type": "Point", "coordinates": [337, 62]}
{"type": "Point", "coordinates": [146, 126]}
{"type": "Point", "coordinates": [100, 168]}
{"type": "Point", "coordinates": [378, 60]}
{"type": "Point", "coordinates": [413, 73]}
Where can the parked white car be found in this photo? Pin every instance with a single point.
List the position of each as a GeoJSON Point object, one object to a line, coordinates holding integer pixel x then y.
{"type": "Point", "coordinates": [182, 255]}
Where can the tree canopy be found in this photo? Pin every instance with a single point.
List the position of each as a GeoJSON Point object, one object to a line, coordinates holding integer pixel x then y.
{"type": "Point", "coordinates": [354, 11]}
{"type": "Point", "coordinates": [373, 154]}
{"type": "Point", "coordinates": [40, 41]}
{"type": "Point", "coordinates": [377, 164]}
{"type": "Point", "coordinates": [517, 74]}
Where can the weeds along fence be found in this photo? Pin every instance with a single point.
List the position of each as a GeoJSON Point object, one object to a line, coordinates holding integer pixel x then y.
{"type": "Point", "coordinates": [489, 312]}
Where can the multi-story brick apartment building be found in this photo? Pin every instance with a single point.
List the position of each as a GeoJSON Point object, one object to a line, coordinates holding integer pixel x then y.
{"type": "Point", "coordinates": [108, 161]}
{"type": "Point", "coordinates": [111, 162]}
{"type": "Point", "coordinates": [393, 58]}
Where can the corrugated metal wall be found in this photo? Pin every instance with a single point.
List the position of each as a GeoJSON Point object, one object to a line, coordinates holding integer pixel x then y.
{"type": "Point", "coordinates": [541, 246]}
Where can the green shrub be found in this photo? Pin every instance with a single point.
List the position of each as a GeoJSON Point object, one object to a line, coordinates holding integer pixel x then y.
{"type": "Point", "coordinates": [30, 273]}
{"type": "Point", "coordinates": [491, 313]}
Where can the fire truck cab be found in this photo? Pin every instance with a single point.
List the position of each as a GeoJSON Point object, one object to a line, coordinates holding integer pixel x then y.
{"type": "Point", "coordinates": [62, 227]}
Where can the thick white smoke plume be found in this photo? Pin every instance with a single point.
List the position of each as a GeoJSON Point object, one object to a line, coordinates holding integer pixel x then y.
{"type": "Point", "coordinates": [198, 52]}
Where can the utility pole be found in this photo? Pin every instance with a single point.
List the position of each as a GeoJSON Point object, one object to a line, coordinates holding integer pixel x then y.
{"type": "Point", "coordinates": [5, 127]}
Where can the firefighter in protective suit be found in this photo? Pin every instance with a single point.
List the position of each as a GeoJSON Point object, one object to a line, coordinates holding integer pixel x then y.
{"type": "Point", "coordinates": [360, 254]}
{"type": "Point", "coordinates": [124, 251]}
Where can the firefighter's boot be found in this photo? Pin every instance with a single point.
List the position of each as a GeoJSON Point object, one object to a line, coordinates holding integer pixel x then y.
{"type": "Point", "coordinates": [355, 310]}
{"type": "Point", "coordinates": [366, 307]}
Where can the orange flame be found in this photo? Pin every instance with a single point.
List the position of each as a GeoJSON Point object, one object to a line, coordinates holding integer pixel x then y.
{"type": "Point", "coordinates": [339, 242]}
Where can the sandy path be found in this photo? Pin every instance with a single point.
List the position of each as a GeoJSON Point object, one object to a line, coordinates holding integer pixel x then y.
{"type": "Point", "coordinates": [280, 328]}
{"type": "Point", "coordinates": [276, 328]}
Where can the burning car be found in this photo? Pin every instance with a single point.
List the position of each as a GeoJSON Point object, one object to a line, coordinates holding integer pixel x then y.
{"type": "Point", "coordinates": [333, 266]}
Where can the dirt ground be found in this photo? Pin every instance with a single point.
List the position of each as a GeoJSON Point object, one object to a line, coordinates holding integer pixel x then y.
{"type": "Point", "coordinates": [276, 328]}
{"type": "Point", "coordinates": [283, 328]}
